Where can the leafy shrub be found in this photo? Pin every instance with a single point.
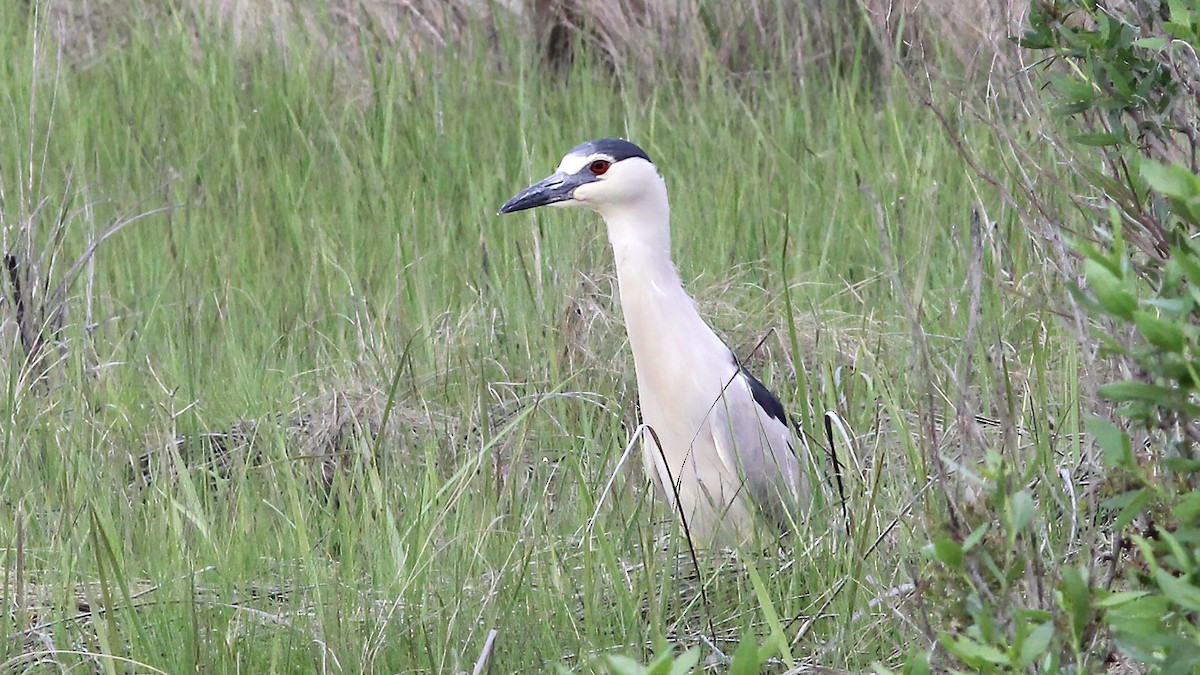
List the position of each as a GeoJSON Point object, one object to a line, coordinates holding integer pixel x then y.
{"type": "Point", "coordinates": [1126, 77]}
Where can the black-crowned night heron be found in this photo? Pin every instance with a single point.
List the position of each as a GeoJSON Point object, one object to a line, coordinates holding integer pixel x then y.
{"type": "Point", "coordinates": [727, 452]}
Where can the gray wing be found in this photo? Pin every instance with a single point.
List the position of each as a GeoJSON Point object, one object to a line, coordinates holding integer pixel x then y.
{"type": "Point", "coordinates": [753, 439]}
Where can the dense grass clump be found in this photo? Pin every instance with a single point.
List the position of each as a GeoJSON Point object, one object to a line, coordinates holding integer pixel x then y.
{"type": "Point", "coordinates": [279, 392]}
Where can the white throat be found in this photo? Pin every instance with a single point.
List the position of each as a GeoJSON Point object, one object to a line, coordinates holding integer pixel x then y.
{"type": "Point", "coordinates": [653, 300]}
{"type": "Point", "coordinates": [640, 230]}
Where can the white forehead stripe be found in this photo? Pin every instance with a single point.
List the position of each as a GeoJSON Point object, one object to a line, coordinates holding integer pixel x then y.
{"type": "Point", "coordinates": [574, 163]}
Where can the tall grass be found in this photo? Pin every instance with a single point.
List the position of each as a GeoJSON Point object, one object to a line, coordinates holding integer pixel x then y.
{"type": "Point", "coordinates": [319, 278]}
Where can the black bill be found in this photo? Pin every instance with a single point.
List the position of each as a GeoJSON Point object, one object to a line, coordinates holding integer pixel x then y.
{"type": "Point", "coordinates": [552, 189]}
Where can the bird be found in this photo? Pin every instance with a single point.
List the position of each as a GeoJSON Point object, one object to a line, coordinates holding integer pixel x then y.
{"type": "Point", "coordinates": [719, 446]}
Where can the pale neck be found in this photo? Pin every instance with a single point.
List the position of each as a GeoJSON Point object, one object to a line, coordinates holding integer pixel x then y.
{"type": "Point", "coordinates": [640, 231]}
{"type": "Point", "coordinates": [653, 299]}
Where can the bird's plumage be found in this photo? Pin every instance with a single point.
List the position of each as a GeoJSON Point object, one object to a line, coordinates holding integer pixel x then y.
{"type": "Point", "coordinates": [722, 451]}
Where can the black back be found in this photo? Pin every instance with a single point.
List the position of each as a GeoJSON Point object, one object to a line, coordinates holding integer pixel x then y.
{"type": "Point", "coordinates": [764, 398]}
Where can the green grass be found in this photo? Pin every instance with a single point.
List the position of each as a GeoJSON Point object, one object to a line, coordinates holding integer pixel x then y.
{"type": "Point", "coordinates": [329, 243]}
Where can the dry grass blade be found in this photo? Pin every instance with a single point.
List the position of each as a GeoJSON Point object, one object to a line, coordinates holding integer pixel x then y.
{"type": "Point", "coordinates": [638, 435]}
{"type": "Point", "coordinates": [57, 298]}
{"type": "Point", "coordinates": [483, 664]}
{"type": "Point", "coordinates": [966, 421]}
{"type": "Point", "coordinates": [39, 309]}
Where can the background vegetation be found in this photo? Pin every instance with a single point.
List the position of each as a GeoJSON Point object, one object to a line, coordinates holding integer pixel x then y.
{"type": "Point", "coordinates": [280, 393]}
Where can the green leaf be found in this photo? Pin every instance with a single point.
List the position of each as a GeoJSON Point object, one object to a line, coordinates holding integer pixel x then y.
{"type": "Point", "coordinates": [949, 552]}
{"type": "Point", "coordinates": [686, 662]}
{"type": "Point", "coordinates": [1188, 509]}
{"type": "Point", "coordinates": [1182, 465]}
{"type": "Point", "coordinates": [623, 665]}
{"type": "Point", "coordinates": [1118, 598]}
{"type": "Point", "coordinates": [1131, 504]}
{"type": "Point", "coordinates": [1039, 39]}
{"type": "Point", "coordinates": [1020, 512]}
{"type": "Point", "coordinates": [1151, 43]}
{"type": "Point", "coordinates": [1098, 140]}
{"type": "Point", "coordinates": [1188, 260]}
{"type": "Point", "coordinates": [1068, 109]}
{"type": "Point", "coordinates": [1183, 561]}
{"type": "Point", "coordinates": [661, 665]}
{"type": "Point", "coordinates": [1109, 346]}
{"type": "Point", "coordinates": [974, 653]}
{"type": "Point", "coordinates": [1035, 644]}
{"type": "Point", "coordinates": [1183, 31]}
{"type": "Point", "coordinates": [918, 664]}
{"type": "Point", "coordinates": [777, 641]}
{"type": "Point", "coordinates": [1165, 335]}
{"type": "Point", "coordinates": [1115, 446]}
{"type": "Point", "coordinates": [1073, 88]}
{"type": "Point", "coordinates": [1171, 180]}
{"type": "Point", "coordinates": [747, 660]}
{"type": "Point", "coordinates": [1143, 616]}
{"type": "Point", "coordinates": [975, 537]}
{"type": "Point", "coordinates": [1076, 599]}
{"type": "Point", "coordinates": [1176, 306]}
{"type": "Point", "coordinates": [1178, 590]}
{"type": "Point", "coordinates": [1109, 289]}
{"type": "Point", "coordinates": [1133, 390]}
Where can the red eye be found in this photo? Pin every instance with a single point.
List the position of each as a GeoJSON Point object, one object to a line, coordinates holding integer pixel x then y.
{"type": "Point", "coordinates": [599, 166]}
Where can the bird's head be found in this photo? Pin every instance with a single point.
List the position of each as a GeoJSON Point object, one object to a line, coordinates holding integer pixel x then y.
{"type": "Point", "coordinates": [604, 174]}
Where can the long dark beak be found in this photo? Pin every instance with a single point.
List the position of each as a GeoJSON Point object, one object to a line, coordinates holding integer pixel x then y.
{"type": "Point", "coordinates": [552, 189]}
